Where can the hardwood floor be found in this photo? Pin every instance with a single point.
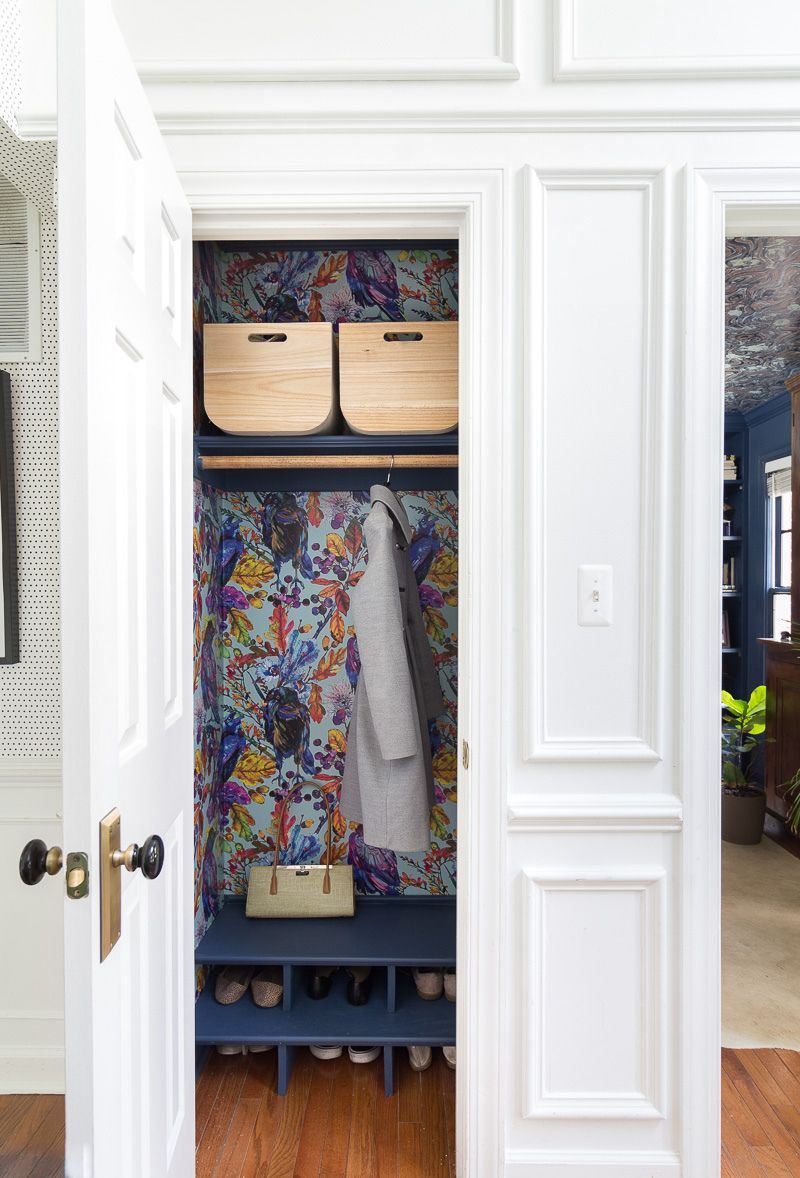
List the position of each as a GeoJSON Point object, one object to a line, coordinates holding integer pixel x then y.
{"type": "Point", "coordinates": [32, 1136]}
{"type": "Point", "coordinates": [334, 1121]}
{"type": "Point", "coordinates": [760, 1114]}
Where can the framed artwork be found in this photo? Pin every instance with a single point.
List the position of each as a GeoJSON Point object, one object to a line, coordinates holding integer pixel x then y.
{"type": "Point", "coordinates": [9, 602]}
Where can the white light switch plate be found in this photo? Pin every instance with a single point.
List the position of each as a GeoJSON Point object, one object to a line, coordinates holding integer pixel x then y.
{"type": "Point", "coordinates": [594, 594]}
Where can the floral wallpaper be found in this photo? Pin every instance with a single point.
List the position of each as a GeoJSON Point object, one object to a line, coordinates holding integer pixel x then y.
{"type": "Point", "coordinates": [275, 672]}
{"type": "Point", "coordinates": [762, 318]}
{"type": "Point", "coordinates": [276, 656]}
{"type": "Point", "coordinates": [240, 282]}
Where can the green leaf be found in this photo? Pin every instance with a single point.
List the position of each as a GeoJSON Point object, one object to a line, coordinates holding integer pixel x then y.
{"type": "Point", "coordinates": [756, 729]}
{"type": "Point", "coordinates": [758, 697]}
{"type": "Point", "coordinates": [420, 255]}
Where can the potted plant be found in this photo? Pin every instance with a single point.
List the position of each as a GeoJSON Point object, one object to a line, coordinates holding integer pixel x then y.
{"type": "Point", "coordinates": [744, 803]}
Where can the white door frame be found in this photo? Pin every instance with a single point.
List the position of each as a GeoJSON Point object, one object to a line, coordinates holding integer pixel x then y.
{"type": "Point", "coordinates": [392, 204]}
{"type": "Point", "coordinates": [710, 194]}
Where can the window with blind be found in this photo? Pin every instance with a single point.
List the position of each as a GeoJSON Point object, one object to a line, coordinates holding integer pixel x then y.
{"type": "Point", "coordinates": [779, 542]}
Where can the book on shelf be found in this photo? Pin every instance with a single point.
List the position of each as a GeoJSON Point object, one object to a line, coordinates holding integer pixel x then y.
{"type": "Point", "coordinates": [729, 574]}
{"type": "Point", "coordinates": [730, 473]}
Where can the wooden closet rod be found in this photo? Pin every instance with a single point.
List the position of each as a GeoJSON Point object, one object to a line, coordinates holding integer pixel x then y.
{"type": "Point", "coordinates": [326, 461]}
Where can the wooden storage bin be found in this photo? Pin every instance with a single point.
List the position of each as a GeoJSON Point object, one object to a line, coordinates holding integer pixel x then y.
{"type": "Point", "coordinates": [270, 378]}
{"type": "Point", "coordinates": [399, 386]}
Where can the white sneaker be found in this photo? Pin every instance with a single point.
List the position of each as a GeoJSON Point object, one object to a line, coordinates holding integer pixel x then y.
{"type": "Point", "coordinates": [257, 1048]}
{"type": "Point", "coordinates": [363, 1054]}
{"type": "Point", "coordinates": [231, 1049]}
{"type": "Point", "coordinates": [420, 1058]}
{"type": "Point", "coordinates": [429, 983]}
{"type": "Point", "coordinates": [325, 1050]}
{"type": "Point", "coordinates": [449, 1054]}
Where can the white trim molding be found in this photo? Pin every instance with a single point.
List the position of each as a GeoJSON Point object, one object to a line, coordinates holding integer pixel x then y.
{"type": "Point", "coordinates": [541, 1099]}
{"type": "Point", "coordinates": [569, 66]}
{"type": "Point", "coordinates": [546, 1163]}
{"type": "Point", "coordinates": [30, 772]}
{"type": "Point", "coordinates": [581, 812]}
{"type": "Point", "coordinates": [494, 67]}
{"type": "Point", "coordinates": [469, 204]}
{"type": "Point", "coordinates": [539, 642]}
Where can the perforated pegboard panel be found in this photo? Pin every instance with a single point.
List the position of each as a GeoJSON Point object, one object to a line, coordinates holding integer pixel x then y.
{"type": "Point", "coordinates": [30, 167]}
{"type": "Point", "coordinates": [30, 691]}
{"type": "Point", "coordinates": [10, 61]}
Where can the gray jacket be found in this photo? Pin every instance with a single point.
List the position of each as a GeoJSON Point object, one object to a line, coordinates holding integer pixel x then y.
{"type": "Point", "coordinates": [388, 778]}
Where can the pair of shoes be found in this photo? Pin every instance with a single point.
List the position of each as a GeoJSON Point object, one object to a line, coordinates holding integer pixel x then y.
{"type": "Point", "coordinates": [421, 1058]}
{"type": "Point", "coordinates": [243, 1048]}
{"type": "Point", "coordinates": [233, 980]}
{"type": "Point", "coordinates": [357, 1054]}
{"type": "Point", "coordinates": [359, 985]}
{"type": "Point", "coordinates": [431, 982]}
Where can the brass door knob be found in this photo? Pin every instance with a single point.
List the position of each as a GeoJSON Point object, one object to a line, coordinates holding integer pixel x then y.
{"type": "Point", "coordinates": [149, 858]}
{"type": "Point", "coordinates": [36, 861]}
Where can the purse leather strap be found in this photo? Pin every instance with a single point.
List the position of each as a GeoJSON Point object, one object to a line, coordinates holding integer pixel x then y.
{"type": "Point", "coordinates": [326, 885]}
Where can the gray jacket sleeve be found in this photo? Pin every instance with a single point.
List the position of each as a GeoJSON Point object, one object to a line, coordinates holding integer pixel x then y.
{"type": "Point", "coordinates": [378, 620]}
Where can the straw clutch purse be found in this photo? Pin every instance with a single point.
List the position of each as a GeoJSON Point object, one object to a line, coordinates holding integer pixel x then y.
{"type": "Point", "coordinates": [306, 889]}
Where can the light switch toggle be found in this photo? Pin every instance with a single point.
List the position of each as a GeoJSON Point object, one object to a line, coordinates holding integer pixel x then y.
{"type": "Point", "coordinates": [594, 595]}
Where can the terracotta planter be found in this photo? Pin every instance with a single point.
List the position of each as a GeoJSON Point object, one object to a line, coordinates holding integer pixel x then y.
{"type": "Point", "coordinates": [743, 818]}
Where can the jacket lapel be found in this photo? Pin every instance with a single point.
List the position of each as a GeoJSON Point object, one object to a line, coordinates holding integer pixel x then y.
{"type": "Point", "coordinates": [381, 494]}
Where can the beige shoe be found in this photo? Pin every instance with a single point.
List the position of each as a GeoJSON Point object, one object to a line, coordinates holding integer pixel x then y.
{"type": "Point", "coordinates": [428, 983]}
{"type": "Point", "coordinates": [232, 983]}
{"type": "Point", "coordinates": [449, 1054]}
{"type": "Point", "coordinates": [420, 1058]}
{"type": "Point", "coordinates": [267, 986]}
{"type": "Point", "coordinates": [257, 1048]}
{"type": "Point", "coordinates": [450, 985]}
{"type": "Point", "coordinates": [231, 1049]}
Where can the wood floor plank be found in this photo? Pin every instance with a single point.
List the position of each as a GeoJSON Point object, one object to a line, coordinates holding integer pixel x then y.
{"type": "Point", "coordinates": [237, 1143]}
{"type": "Point", "coordinates": [791, 1059]}
{"type": "Point", "coordinates": [737, 1147]}
{"type": "Point", "coordinates": [408, 1086]}
{"type": "Point", "coordinates": [410, 1150]}
{"type": "Point", "coordinates": [386, 1122]}
{"type": "Point", "coordinates": [779, 1138]}
{"type": "Point", "coordinates": [435, 1163]}
{"type": "Point", "coordinates": [772, 1091]}
{"type": "Point", "coordinates": [312, 1137]}
{"type": "Point", "coordinates": [265, 1129]}
{"type": "Point", "coordinates": [17, 1140]}
{"type": "Point", "coordinates": [262, 1074]}
{"type": "Point", "coordinates": [337, 1131]}
{"type": "Point", "coordinates": [360, 1152]}
{"type": "Point", "coordinates": [728, 1170]}
{"type": "Point", "coordinates": [212, 1142]}
{"type": "Point", "coordinates": [771, 1162]}
{"type": "Point", "coordinates": [746, 1123]}
{"type": "Point", "coordinates": [206, 1091]}
{"type": "Point", "coordinates": [45, 1147]}
{"type": "Point", "coordinates": [287, 1139]}
{"type": "Point", "coordinates": [448, 1079]}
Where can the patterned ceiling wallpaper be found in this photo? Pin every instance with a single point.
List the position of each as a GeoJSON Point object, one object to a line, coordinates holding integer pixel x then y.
{"type": "Point", "coordinates": [762, 318]}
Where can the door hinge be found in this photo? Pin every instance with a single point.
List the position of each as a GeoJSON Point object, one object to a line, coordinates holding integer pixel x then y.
{"type": "Point", "coordinates": [77, 875]}
{"type": "Point", "coordinates": [465, 754]}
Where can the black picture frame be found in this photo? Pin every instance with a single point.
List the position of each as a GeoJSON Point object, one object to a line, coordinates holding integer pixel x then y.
{"type": "Point", "coordinates": [9, 593]}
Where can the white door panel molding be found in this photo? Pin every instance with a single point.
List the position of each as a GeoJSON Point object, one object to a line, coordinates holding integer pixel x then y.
{"type": "Point", "coordinates": [460, 40]}
{"type": "Point", "coordinates": [621, 39]}
{"type": "Point", "coordinates": [593, 495]}
{"type": "Point", "coordinates": [595, 1010]}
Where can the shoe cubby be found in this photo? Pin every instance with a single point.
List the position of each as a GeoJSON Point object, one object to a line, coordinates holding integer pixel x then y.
{"type": "Point", "coordinates": [390, 934]}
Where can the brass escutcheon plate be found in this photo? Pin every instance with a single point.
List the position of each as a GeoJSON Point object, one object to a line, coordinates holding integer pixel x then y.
{"type": "Point", "coordinates": [110, 887]}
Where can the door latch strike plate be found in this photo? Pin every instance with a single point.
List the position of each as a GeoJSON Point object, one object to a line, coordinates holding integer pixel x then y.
{"type": "Point", "coordinates": [77, 875]}
{"type": "Point", "coordinates": [110, 888]}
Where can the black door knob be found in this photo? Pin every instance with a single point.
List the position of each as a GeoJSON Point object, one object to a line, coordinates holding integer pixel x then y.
{"type": "Point", "coordinates": [36, 861]}
{"type": "Point", "coordinates": [150, 859]}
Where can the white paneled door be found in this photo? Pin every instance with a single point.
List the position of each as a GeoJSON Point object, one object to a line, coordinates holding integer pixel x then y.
{"type": "Point", "coordinates": [125, 376]}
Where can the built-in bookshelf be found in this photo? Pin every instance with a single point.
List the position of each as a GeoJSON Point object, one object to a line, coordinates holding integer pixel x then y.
{"type": "Point", "coordinates": [733, 563]}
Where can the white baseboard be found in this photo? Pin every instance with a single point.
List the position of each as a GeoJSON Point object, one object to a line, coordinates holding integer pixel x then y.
{"type": "Point", "coordinates": [31, 1069]}
{"type": "Point", "coordinates": [588, 1164]}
